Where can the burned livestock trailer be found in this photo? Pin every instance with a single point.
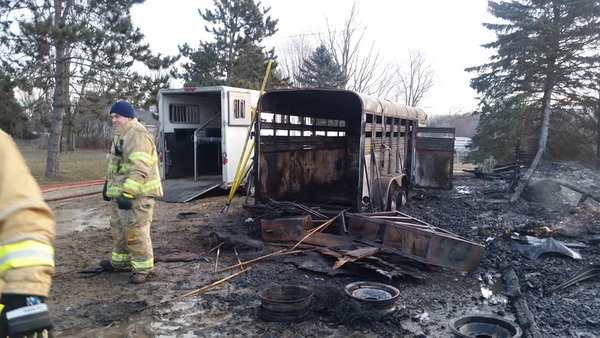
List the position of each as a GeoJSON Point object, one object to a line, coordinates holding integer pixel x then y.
{"type": "Point", "coordinates": [201, 137]}
{"type": "Point", "coordinates": [335, 148]}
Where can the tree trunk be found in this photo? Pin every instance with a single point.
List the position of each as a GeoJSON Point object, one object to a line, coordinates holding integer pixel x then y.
{"type": "Point", "coordinates": [598, 133]}
{"type": "Point", "coordinates": [58, 111]}
{"type": "Point", "coordinates": [546, 108]}
{"type": "Point", "coordinates": [69, 126]}
{"type": "Point", "coordinates": [59, 97]}
{"type": "Point", "coordinates": [70, 139]}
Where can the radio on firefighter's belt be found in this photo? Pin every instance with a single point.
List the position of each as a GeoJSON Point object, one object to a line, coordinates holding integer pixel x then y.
{"type": "Point", "coordinates": [119, 148]}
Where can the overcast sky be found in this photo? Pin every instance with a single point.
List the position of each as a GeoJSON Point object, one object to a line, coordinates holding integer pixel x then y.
{"type": "Point", "coordinates": [448, 33]}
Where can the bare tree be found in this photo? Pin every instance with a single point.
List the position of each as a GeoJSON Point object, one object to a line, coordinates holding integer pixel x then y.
{"type": "Point", "coordinates": [364, 70]}
{"type": "Point", "coordinates": [292, 55]}
{"type": "Point", "coordinates": [415, 81]}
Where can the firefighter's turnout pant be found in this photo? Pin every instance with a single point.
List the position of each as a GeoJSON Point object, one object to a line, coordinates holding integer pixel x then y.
{"type": "Point", "coordinates": [130, 231]}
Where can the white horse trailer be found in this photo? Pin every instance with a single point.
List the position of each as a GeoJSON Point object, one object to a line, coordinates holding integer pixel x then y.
{"type": "Point", "coordinates": [201, 138]}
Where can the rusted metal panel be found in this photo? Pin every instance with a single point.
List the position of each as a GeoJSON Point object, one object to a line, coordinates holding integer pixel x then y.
{"type": "Point", "coordinates": [392, 232]}
{"type": "Point", "coordinates": [291, 230]}
{"type": "Point", "coordinates": [434, 169]}
{"type": "Point", "coordinates": [416, 239]}
{"type": "Point", "coordinates": [298, 174]}
{"type": "Point", "coordinates": [285, 228]}
{"type": "Point", "coordinates": [434, 160]}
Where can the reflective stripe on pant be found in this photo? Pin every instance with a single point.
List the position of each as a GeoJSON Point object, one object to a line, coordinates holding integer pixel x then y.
{"type": "Point", "coordinates": [130, 231]}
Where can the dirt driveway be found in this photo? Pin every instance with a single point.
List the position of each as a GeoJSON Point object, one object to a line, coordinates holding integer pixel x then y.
{"type": "Point", "coordinates": [107, 305]}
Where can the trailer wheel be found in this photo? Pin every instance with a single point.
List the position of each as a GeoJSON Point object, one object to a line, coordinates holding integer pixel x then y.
{"type": "Point", "coordinates": [398, 197]}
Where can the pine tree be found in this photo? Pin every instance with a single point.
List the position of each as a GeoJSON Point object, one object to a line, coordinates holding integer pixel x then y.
{"type": "Point", "coordinates": [68, 50]}
{"type": "Point", "coordinates": [321, 71]}
{"type": "Point", "coordinates": [235, 57]}
{"type": "Point", "coordinates": [12, 118]}
{"type": "Point", "coordinates": [547, 55]}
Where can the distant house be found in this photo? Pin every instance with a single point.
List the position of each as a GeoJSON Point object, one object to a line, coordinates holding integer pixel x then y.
{"type": "Point", "coordinates": [460, 143]}
{"type": "Point", "coordinates": [148, 120]}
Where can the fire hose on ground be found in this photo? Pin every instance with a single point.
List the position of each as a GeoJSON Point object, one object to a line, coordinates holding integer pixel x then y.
{"type": "Point", "coordinates": [70, 185]}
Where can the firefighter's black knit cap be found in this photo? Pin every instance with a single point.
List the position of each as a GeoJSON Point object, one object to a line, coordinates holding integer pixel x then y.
{"type": "Point", "coordinates": [123, 108]}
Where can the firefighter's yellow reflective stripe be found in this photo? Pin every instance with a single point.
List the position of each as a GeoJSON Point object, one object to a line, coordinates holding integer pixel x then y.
{"type": "Point", "coordinates": [122, 169]}
{"type": "Point", "coordinates": [135, 187]}
{"type": "Point", "coordinates": [112, 167]}
{"type": "Point", "coordinates": [25, 254]}
{"type": "Point", "coordinates": [132, 185]}
{"type": "Point", "coordinates": [113, 164]}
{"type": "Point", "coordinates": [142, 156]}
{"type": "Point", "coordinates": [120, 257]}
{"type": "Point", "coordinates": [154, 184]}
{"type": "Point", "coordinates": [1, 307]}
{"type": "Point", "coordinates": [114, 191]}
{"type": "Point", "coordinates": [151, 185]}
{"type": "Point", "coordinates": [139, 265]}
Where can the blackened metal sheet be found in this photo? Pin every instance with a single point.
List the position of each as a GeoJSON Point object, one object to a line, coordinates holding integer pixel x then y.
{"type": "Point", "coordinates": [434, 162]}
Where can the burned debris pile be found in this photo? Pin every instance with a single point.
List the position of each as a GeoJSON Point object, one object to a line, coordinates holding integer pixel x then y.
{"type": "Point", "coordinates": [392, 244]}
{"type": "Point", "coordinates": [536, 245]}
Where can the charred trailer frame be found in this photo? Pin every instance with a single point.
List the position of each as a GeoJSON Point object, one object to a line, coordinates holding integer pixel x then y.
{"type": "Point", "coordinates": [334, 147]}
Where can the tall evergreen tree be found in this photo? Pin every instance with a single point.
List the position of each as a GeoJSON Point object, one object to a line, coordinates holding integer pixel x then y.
{"type": "Point", "coordinates": [71, 48]}
{"type": "Point", "coordinates": [235, 57]}
{"type": "Point", "coordinates": [321, 71]}
{"type": "Point", "coordinates": [547, 54]}
{"type": "Point", "coordinates": [12, 118]}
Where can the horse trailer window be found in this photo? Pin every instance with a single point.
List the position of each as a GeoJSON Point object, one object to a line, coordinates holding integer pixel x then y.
{"type": "Point", "coordinates": [239, 109]}
{"type": "Point", "coordinates": [184, 114]}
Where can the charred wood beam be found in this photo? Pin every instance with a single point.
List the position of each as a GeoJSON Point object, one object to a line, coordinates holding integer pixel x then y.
{"type": "Point", "coordinates": [524, 316]}
{"type": "Point", "coordinates": [585, 193]}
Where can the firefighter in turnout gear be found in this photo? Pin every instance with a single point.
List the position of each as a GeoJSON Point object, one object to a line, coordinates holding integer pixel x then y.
{"type": "Point", "coordinates": [26, 248]}
{"type": "Point", "coordinates": [132, 183]}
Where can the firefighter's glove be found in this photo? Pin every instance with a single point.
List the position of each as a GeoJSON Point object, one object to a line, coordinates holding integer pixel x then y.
{"type": "Point", "coordinates": [104, 196]}
{"type": "Point", "coordinates": [125, 201]}
{"type": "Point", "coordinates": [24, 316]}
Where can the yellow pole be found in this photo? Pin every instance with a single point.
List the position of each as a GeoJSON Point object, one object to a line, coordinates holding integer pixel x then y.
{"type": "Point", "coordinates": [240, 170]}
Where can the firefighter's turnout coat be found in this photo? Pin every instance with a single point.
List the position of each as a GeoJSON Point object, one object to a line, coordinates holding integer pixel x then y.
{"type": "Point", "coordinates": [133, 169]}
{"type": "Point", "coordinates": [133, 163]}
{"type": "Point", "coordinates": [26, 227]}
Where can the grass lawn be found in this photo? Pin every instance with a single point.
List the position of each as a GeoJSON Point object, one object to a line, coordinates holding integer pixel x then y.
{"type": "Point", "coordinates": [461, 166]}
{"type": "Point", "coordinates": [80, 165]}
